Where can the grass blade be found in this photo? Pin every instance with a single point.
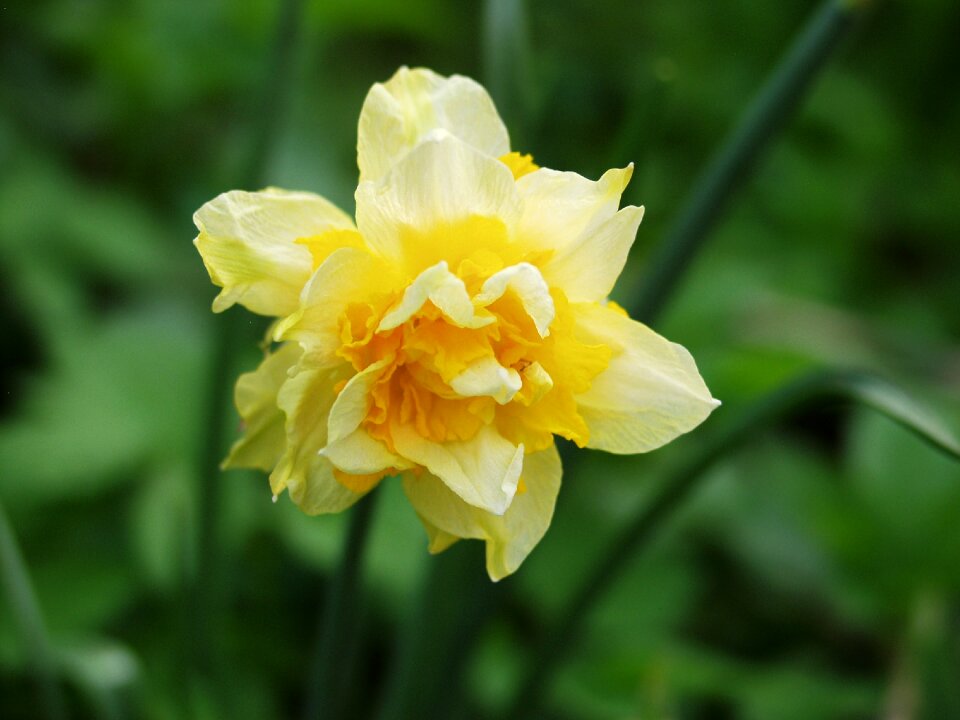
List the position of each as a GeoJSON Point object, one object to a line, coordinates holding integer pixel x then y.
{"type": "Point", "coordinates": [818, 388]}
{"type": "Point", "coordinates": [29, 622]}
{"type": "Point", "coordinates": [733, 163]}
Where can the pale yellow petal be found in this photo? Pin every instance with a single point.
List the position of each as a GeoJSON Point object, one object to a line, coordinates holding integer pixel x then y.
{"type": "Point", "coordinates": [537, 383]}
{"type": "Point", "coordinates": [353, 402]}
{"type": "Point", "coordinates": [559, 208]}
{"type": "Point", "coordinates": [360, 454]}
{"type": "Point", "coordinates": [307, 476]}
{"type": "Point", "coordinates": [484, 471]}
{"type": "Point", "coordinates": [347, 275]}
{"type": "Point", "coordinates": [649, 394]}
{"type": "Point", "coordinates": [509, 537]}
{"type": "Point", "coordinates": [445, 290]}
{"type": "Point", "coordinates": [587, 268]}
{"type": "Point", "coordinates": [528, 284]}
{"type": "Point", "coordinates": [248, 244]}
{"type": "Point", "coordinates": [255, 395]}
{"type": "Point", "coordinates": [438, 186]}
{"type": "Point", "coordinates": [437, 539]}
{"type": "Point", "coordinates": [397, 114]}
{"type": "Point", "coordinates": [488, 378]}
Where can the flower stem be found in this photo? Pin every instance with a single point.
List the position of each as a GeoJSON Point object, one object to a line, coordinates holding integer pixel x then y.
{"type": "Point", "coordinates": [737, 156]}
{"type": "Point", "coordinates": [29, 622]}
{"type": "Point", "coordinates": [506, 65]}
{"type": "Point", "coordinates": [636, 536]}
{"type": "Point", "coordinates": [455, 599]}
{"type": "Point", "coordinates": [230, 329]}
{"type": "Point", "coordinates": [335, 649]}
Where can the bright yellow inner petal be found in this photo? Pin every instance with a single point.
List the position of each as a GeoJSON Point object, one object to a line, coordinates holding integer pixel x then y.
{"type": "Point", "coordinates": [361, 483]}
{"type": "Point", "coordinates": [320, 246]}
{"type": "Point", "coordinates": [519, 164]}
{"type": "Point", "coordinates": [424, 355]}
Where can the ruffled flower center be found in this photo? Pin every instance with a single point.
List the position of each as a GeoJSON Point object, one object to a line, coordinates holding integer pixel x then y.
{"type": "Point", "coordinates": [455, 352]}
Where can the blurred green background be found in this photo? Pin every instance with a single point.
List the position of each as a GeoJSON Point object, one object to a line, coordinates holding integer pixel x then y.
{"type": "Point", "coordinates": [816, 573]}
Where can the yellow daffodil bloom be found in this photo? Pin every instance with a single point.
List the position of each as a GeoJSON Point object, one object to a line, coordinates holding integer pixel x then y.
{"type": "Point", "coordinates": [451, 332]}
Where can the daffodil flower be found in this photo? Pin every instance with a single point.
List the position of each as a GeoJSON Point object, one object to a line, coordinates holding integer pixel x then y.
{"type": "Point", "coordinates": [449, 333]}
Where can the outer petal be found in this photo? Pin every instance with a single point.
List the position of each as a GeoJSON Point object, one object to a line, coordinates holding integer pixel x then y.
{"type": "Point", "coordinates": [441, 183]}
{"type": "Point", "coordinates": [347, 275]}
{"type": "Point", "coordinates": [396, 115]}
{"type": "Point", "coordinates": [437, 539]}
{"type": "Point", "coordinates": [509, 537]}
{"type": "Point", "coordinates": [263, 440]}
{"type": "Point", "coordinates": [306, 399]}
{"type": "Point", "coordinates": [247, 241]}
{"type": "Point", "coordinates": [649, 394]}
{"type": "Point", "coordinates": [483, 471]}
{"type": "Point", "coordinates": [587, 268]}
{"type": "Point", "coordinates": [560, 208]}
{"type": "Point", "coordinates": [360, 454]}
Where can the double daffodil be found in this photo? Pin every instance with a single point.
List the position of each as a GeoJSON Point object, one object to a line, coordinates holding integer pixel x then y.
{"type": "Point", "coordinates": [449, 333]}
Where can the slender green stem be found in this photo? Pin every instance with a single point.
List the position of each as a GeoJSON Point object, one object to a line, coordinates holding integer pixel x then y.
{"type": "Point", "coordinates": [455, 599]}
{"type": "Point", "coordinates": [332, 663]}
{"type": "Point", "coordinates": [738, 154]}
{"type": "Point", "coordinates": [274, 100]}
{"type": "Point", "coordinates": [506, 61]}
{"type": "Point", "coordinates": [230, 330]}
{"type": "Point", "coordinates": [29, 622]}
{"type": "Point", "coordinates": [636, 536]}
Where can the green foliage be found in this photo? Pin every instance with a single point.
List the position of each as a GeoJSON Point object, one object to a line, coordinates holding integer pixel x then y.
{"type": "Point", "coordinates": [814, 576]}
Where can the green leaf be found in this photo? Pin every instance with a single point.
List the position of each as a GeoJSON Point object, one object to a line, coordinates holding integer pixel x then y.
{"type": "Point", "coordinates": [649, 520]}
{"type": "Point", "coordinates": [886, 398]}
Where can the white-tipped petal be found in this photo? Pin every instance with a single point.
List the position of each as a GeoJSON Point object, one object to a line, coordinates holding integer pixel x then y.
{"type": "Point", "coordinates": [528, 284]}
{"type": "Point", "coordinates": [306, 475]}
{"type": "Point", "coordinates": [488, 378]}
{"type": "Point", "coordinates": [483, 471]}
{"type": "Point", "coordinates": [440, 185]}
{"type": "Point", "coordinates": [561, 207]}
{"type": "Point", "coordinates": [399, 113]}
{"type": "Point", "coordinates": [445, 290]}
{"type": "Point", "coordinates": [247, 241]}
{"type": "Point", "coordinates": [587, 268]}
{"type": "Point", "coordinates": [347, 275]}
{"type": "Point", "coordinates": [649, 394]}
{"type": "Point", "coordinates": [360, 454]}
{"type": "Point", "coordinates": [509, 537]}
{"type": "Point", "coordinates": [353, 402]}
{"type": "Point", "coordinates": [263, 440]}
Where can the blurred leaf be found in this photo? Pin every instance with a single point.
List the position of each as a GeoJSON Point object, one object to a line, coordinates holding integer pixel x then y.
{"type": "Point", "coordinates": [161, 519]}
{"type": "Point", "coordinates": [106, 672]}
{"type": "Point", "coordinates": [106, 409]}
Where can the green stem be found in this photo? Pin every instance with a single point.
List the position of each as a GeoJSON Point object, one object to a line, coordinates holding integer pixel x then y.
{"type": "Point", "coordinates": [506, 61]}
{"type": "Point", "coordinates": [29, 622]}
{"type": "Point", "coordinates": [732, 165]}
{"type": "Point", "coordinates": [331, 666]}
{"type": "Point", "coordinates": [230, 330]}
{"type": "Point", "coordinates": [455, 599]}
{"type": "Point", "coordinates": [636, 536]}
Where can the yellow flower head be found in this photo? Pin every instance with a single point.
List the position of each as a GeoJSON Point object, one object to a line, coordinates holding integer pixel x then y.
{"type": "Point", "coordinates": [451, 332]}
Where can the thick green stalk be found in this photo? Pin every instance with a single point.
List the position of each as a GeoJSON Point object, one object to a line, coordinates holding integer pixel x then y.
{"type": "Point", "coordinates": [427, 670]}
{"type": "Point", "coordinates": [506, 61]}
{"type": "Point", "coordinates": [733, 163]}
{"type": "Point", "coordinates": [332, 663]}
{"type": "Point", "coordinates": [636, 536]}
{"type": "Point", "coordinates": [29, 623]}
{"type": "Point", "coordinates": [230, 330]}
